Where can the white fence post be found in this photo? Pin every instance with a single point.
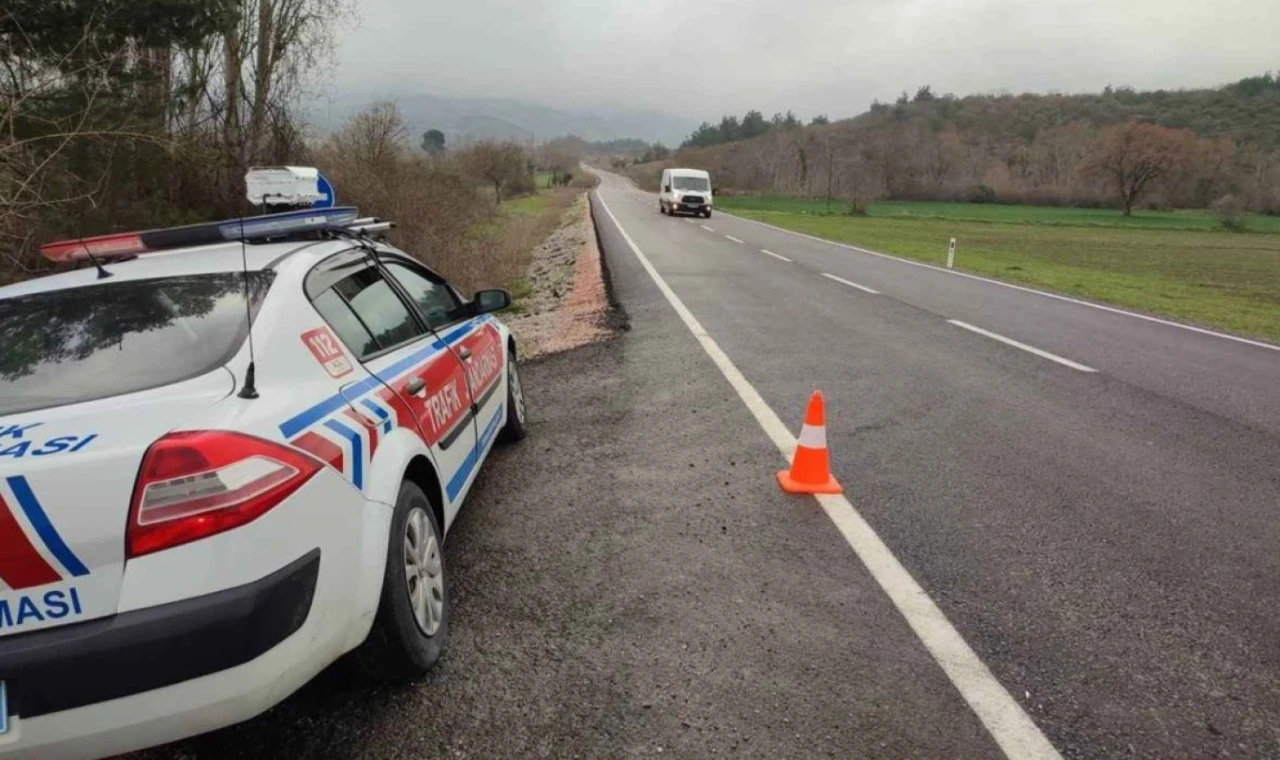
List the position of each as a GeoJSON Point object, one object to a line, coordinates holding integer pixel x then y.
{"type": "Point", "coordinates": [951, 254]}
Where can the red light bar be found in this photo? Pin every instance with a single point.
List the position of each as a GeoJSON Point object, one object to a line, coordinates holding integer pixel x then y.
{"type": "Point", "coordinates": [125, 244]}
{"type": "Point", "coordinates": [101, 246]}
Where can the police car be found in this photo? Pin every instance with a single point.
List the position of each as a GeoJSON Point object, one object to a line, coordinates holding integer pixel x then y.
{"type": "Point", "coordinates": [229, 454]}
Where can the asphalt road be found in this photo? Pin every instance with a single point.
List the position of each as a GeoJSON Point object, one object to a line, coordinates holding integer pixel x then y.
{"type": "Point", "coordinates": [1106, 541]}
{"type": "Point", "coordinates": [629, 582]}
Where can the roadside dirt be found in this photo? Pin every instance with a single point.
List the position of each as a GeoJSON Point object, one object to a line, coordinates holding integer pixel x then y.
{"type": "Point", "coordinates": [568, 304]}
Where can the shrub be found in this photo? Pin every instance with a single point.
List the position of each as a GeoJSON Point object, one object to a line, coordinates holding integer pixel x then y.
{"type": "Point", "coordinates": [982, 194]}
{"type": "Point", "coordinates": [1230, 211]}
{"type": "Point", "coordinates": [858, 205]}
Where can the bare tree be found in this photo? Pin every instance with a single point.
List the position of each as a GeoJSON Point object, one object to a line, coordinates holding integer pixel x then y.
{"type": "Point", "coordinates": [1130, 156]}
{"type": "Point", "coordinates": [375, 136]}
{"type": "Point", "coordinates": [495, 163]}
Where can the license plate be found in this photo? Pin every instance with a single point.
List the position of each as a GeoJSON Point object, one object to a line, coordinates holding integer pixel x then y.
{"type": "Point", "coordinates": [4, 708]}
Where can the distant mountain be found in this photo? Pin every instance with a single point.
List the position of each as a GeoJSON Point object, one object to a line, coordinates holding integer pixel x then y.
{"type": "Point", "coordinates": [465, 119]}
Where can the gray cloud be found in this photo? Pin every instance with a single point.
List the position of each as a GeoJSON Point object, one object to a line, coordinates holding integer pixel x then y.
{"type": "Point", "coordinates": [702, 58]}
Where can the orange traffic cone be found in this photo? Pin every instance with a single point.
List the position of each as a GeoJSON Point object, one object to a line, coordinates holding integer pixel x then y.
{"type": "Point", "coordinates": [811, 467]}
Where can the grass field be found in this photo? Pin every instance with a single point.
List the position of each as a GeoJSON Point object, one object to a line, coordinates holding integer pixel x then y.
{"type": "Point", "coordinates": [1180, 264]}
{"type": "Point", "coordinates": [531, 204]}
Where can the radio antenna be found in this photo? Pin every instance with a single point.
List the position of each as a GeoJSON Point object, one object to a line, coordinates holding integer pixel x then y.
{"type": "Point", "coordinates": [102, 271]}
{"type": "Point", "coordinates": [250, 389]}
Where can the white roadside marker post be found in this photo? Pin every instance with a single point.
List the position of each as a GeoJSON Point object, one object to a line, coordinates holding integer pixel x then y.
{"type": "Point", "coordinates": [951, 254]}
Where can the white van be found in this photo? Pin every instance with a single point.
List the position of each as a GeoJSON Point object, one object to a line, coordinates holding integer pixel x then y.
{"type": "Point", "coordinates": [687, 190]}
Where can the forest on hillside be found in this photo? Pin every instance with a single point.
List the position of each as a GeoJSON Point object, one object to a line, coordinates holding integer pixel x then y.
{"type": "Point", "coordinates": [1183, 149]}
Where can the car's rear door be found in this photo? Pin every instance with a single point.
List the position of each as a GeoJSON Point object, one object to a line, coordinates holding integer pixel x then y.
{"type": "Point", "coordinates": [425, 380]}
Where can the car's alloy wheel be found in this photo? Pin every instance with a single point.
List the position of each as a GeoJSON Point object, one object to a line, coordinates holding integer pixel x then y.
{"type": "Point", "coordinates": [517, 391]}
{"type": "Point", "coordinates": [423, 572]}
{"type": "Point", "coordinates": [513, 429]}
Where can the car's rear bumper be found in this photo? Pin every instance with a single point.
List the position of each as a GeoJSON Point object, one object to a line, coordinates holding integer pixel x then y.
{"type": "Point", "coordinates": [289, 614]}
{"type": "Point", "coordinates": [63, 668]}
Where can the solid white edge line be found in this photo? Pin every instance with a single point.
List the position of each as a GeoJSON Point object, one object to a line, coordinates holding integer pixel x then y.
{"type": "Point", "coordinates": [850, 284]}
{"type": "Point", "coordinates": [734, 239]}
{"type": "Point", "coordinates": [1023, 346]}
{"type": "Point", "coordinates": [1023, 288]}
{"type": "Point", "coordinates": [1006, 721]}
{"type": "Point", "coordinates": [775, 255]}
{"type": "Point", "coordinates": [708, 229]}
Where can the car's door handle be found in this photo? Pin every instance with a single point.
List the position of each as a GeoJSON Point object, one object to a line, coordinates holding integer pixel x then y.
{"type": "Point", "coordinates": [415, 386]}
{"type": "Point", "coordinates": [465, 353]}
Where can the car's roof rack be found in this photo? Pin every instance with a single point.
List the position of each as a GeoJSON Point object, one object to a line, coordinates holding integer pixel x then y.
{"type": "Point", "coordinates": [312, 222]}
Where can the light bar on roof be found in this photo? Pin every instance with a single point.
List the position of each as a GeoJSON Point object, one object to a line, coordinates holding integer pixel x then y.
{"type": "Point", "coordinates": [254, 228]}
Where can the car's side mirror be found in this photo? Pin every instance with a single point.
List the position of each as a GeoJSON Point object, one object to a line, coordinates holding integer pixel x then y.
{"type": "Point", "coordinates": [666, 189]}
{"type": "Point", "coordinates": [486, 301]}
{"type": "Point", "coordinates": [715, 191]}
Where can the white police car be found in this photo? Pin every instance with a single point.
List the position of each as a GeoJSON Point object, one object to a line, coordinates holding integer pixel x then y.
{"type": "Point", "coordinates": [196, 517]}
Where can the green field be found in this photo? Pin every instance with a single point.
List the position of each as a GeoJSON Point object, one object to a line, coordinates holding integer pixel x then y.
{"type": "Point", "coordinates": [531, 204]}
{"type": "Point", "coordinates": [1181, 264]}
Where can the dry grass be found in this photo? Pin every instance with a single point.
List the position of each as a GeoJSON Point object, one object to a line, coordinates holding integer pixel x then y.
{"type": "Point", "coordinates": [501, 249]}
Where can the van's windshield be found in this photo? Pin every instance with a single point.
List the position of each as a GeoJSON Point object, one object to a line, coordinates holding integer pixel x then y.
{"type": "Point", "coordinates": [696, 184]}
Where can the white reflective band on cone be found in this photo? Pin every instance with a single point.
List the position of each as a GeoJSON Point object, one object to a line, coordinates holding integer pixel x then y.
{"type": "Point", "coordinates": [813, 437]}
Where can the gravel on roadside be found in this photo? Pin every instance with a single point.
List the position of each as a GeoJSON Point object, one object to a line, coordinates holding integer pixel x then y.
{"type": "Point", "coordinates": [568, 304]}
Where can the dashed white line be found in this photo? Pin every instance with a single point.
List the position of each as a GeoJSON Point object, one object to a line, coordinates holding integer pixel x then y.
{"type": "Point", "coordinates": [842, 280]}
{"type": "Point", "coordinates": [734, 239]}
{"type": "Point", "coordinates": [1010, 726]}
{"type": "Point", "coordinates": [1023, 346]}
{"type": "Point", "coordinates": [708, 229]}
{"type": "Point", "coordinates": [1046, 294]}
{"type": "Point", "coordinates": [690, 221]}
{"type": "Point", "coordinates": [775, 255]}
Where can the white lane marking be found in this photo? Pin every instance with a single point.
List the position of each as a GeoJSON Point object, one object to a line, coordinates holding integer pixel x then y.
{"type": "Point", "coordinates": [1012, 729]}
{"type": "Point", "coordinates": [690, 221]}
{"type": "Point", "coordinates": [734, 239]}
{"type": "Point", "coordinates": [1046, 294]}
{"type": "Point", "coordinates": [775, 255]}
{"type": "Point", "coordinates": [1023, 346]}
{"type": "Point", "coordinates": [708, 229]}
{"type": "Point", "coordinates": [851, 284]}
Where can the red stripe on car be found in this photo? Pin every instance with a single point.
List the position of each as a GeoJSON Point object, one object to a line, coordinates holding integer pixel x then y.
{"type": "Point", "coordinates": [21, 566]}
{"type": "Point", "coordinates": [322, 448]}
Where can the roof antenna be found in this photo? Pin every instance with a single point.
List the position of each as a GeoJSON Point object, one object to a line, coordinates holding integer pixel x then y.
{"type": "Point", "coordinates": [102, 271]}
{"type": "Point", "coordinates": [250, 389]}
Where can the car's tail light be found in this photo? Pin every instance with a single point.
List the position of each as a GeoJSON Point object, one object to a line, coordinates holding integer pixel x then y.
{"type": "Point", "coordinates": [196, 484]}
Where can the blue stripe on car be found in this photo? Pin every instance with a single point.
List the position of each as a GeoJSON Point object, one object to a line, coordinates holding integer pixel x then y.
{"type": "Point", "coordinates": [308, 417]}
{"type": "Point", "coordinates": [40, 521]}
{"type": "Point", "coordinates": [357, 453]}
{"type": "Point", "coordinates": [459, 479]}
{"type": "Point", "coordinates": [380, 412]}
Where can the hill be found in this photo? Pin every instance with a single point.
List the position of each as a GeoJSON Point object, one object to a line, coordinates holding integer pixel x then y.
{"type": "Point", "coordinates": [1247, 110]}
{"type": "Point", "coordinates": [1214, 145]}
{"type": "Point", "coordinates": [467, 119]}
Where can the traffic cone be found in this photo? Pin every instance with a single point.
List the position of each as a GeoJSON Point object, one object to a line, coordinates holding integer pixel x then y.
{"type": "Point", "coordinates": [811, 466]}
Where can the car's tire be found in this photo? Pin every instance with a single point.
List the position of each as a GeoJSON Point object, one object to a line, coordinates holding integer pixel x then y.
{"type": "Point", "coordinates": [707, 213]}
{"type": "Point", "coordinates": [513, 429]}
{"type": "Point", "coordinates": [662, 209]}
{"type": "Point", "coordinates": [410, 630]}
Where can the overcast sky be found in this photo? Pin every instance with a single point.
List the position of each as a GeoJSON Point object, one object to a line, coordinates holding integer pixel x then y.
{"type": "Point", "coordinates": [702, 58]}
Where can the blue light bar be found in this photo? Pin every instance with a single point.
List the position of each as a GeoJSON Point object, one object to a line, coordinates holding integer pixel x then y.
{"type": "Point", "coordinates": [287, 223]}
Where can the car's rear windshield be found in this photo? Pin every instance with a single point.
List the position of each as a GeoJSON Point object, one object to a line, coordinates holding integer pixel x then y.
{"type": "Point", "coordinates": [696, 184]}
{"type": "Point", "coordinates": [66, 346]}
